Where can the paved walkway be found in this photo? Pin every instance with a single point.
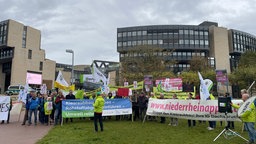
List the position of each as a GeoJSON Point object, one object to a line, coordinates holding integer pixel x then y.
{"type": "Point", "coordinates": [15, 133]}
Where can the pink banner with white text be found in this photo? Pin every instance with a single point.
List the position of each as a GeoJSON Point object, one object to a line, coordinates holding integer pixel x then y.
{"type": "Point", "coordinates": [190, 109]}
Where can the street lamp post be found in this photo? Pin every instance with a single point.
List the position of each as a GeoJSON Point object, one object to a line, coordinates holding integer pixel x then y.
{"type": "Point", "coordinates": [72, 72]}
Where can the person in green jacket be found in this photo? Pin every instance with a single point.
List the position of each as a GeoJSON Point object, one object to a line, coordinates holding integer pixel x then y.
{"type": "Point", "coordinates": [98, 108]}
{"type": "Point", "coordinates": [248, 117]}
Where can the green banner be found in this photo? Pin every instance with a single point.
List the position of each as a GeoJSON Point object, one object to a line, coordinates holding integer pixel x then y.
{"type": "Point", "coordinates": [77, 114]}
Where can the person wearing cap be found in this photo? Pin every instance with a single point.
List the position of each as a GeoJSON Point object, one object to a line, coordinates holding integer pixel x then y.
{"type": "Point", "coordinates": [33, 103]}
{"type": "Point", "coordinates": [98, 109]}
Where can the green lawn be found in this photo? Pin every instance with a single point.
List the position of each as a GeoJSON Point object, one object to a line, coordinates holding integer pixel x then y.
{"type": "Point", "coordinates": [127, 132]}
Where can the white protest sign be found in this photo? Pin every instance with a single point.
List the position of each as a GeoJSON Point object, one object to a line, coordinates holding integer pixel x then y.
{"type": "Point", "coordinates": [4, 107]}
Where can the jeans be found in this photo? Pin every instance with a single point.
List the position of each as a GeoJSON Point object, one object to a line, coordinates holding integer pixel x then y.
{"type": "Point", "coordinates": [98, 116]}
{"type": "Point", "coordinates": [41, 117]}
{"type": "Point", "coordinates": [251, 131]}
{"type": "Point", "coordinates": [30, 112]}
{"type": "Point", "coordinates": [57, 116]}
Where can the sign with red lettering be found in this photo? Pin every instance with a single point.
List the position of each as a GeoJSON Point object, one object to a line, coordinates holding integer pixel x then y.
{"type": "Point", "coordinates": [190, 109]}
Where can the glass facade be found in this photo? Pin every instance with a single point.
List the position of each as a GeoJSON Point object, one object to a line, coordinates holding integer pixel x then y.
{"type": "Point", "coordinates": [184, 41]}
{"type": "Point", "coordinates": [3, 32]}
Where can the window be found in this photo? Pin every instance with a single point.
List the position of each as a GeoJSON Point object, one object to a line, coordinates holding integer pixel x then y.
{"type": "Point", "coordinates": [191, 32]}
{"type": "Point", "coordinates": [24, 37]}
{"type": "Point", "coordinates": [181, 32]}
{"type": "Point", "coordinates": [186, 41]}
{"type": "Point", "coordinates": [186, 32]}
{"type": "Point", "coordinates": [139, 33]}
{"type": "Point", "coordinates": [41, 66]}
{"type": "Point", "coordinates": [124, 43]}
{"type": "Point", "coordinates": [154, 42]}
{"type": "Point", "coordinates": [201, 42]}
{"type": "Point", "coordinates": [201, 33]}
{"type": "Point", "coordinates": [145, 42]}
{"type": "Point", "coordinates": [192, 42]}
{"type": "Point", "coordinates": [134, 33]}
{"type": "Point", "coordinates": [196, 32]}
{"type": "Point", "coordinates": [160, 41]}
{"type": "Point", "coordinates": [133, 43]}
{"type": "Point", "coordinates": [29, 54]}
{"type": "Point", "coordinates": [129, 34]}
{"type": "Point", "coordinates": [119, 44]}
{"type": "Point", "coordinates": [206, 33]}
{"type": "Point", "coordinates": [181, 41]}
{"type": "Point", "coordinates": [139, 42]}
{"type": "Point", "coordinates": [119, 35]}
{"type": "Point", "coordinates": [149, 42]}
{"type": "Point", "coordinates": [206, 42]}
{"type": "Point", "coordinates": [124, 34]}
{"type": "Point", "coordinates": [196, 42]}
{"type": "Point", "coordinates": [129, 43]}
{"type": "Point", "coordinates": [144, 32]}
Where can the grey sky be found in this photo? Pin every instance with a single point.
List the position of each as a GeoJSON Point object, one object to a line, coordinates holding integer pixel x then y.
{"type": "Point", "coordinates": [89, 26]}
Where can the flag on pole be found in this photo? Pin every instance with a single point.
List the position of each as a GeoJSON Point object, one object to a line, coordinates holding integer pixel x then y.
{"type": "Point", "coordinates": [100, 77]}
{"type": "Point", "coordinates": [204, 92]}
{"type": "Point", "coordinates": [61, 83]}
{"type": "Point", "coordinates": [23, 93]}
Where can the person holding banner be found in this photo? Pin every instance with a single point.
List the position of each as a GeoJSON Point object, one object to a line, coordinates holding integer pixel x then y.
{"type": "Point", "coordinates": [212, 124]}
{"type": "Point", "coordinates": [9, 110]}
{"type": "Point", "coordinates": [70, 96]}
{"type": "Point", "coordinates": [174, 121]}
{"type": "Point", "coordinates": [57, 102]}
{"type": "Point", "coordinates": [189, 121]}
{"type": "Point", "coordinates": [142, 102]}
{"type": "Point", "coordinates": [248, 117]}
{"type": "Point", "coordinates": [98, 108]}
{"type": "Point", "coordinates": [162, 119]}
{"type": "Point", "coordinates": [135, 106]}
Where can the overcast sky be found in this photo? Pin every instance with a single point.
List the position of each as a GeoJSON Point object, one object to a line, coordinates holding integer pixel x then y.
{"type": "Point", "coordinates": [89, 26]}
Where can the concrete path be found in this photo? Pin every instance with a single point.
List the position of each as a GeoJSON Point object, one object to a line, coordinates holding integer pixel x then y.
{"type": "Point", "coordinates": [15, 133]}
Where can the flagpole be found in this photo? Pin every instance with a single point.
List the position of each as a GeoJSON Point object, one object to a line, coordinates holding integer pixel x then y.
{"type": "Point", "coordinates": [72, 71]}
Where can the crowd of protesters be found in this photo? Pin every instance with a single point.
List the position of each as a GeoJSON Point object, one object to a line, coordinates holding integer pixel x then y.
{"type": "Point", "coordinates": [47, 108]}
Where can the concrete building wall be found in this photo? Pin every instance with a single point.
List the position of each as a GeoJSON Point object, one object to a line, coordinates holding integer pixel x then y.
{"type": "Point", "coordinates": [21, 63]}
{"type": "Point", "coordinates": [112, 80]}
{"type": "Point", "coordinates": [49, 72]}
{"type": "Point", "coordinates": [219, 47]}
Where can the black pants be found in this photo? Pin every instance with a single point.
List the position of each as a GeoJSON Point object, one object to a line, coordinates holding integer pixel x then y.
{"type": "Point", "coordinates": [71, 119]}
{"type": "Point", "coordinates": [98, 116]}
{"type": "Point", "coordinates": [193, 123]}
{"type": "Point", "coordinates": [162, 119]}
{"type": "Point", "coordinates": [136, 112]}
{"type": "Point", "coordinates": [231, 124]}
